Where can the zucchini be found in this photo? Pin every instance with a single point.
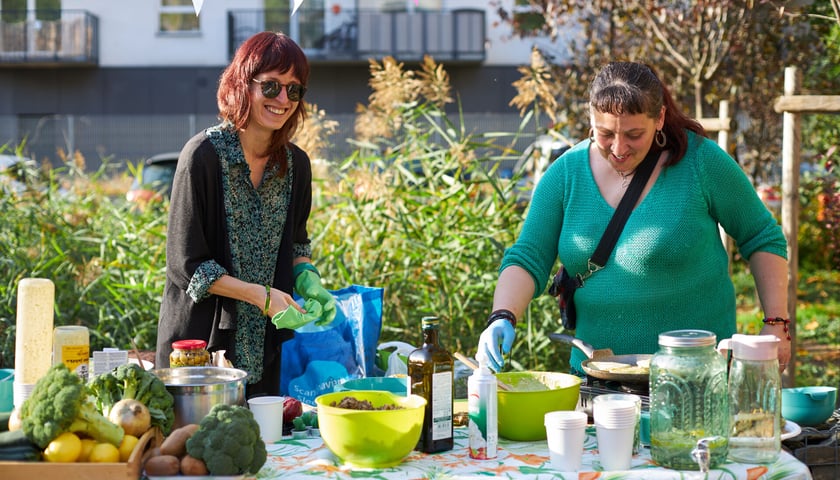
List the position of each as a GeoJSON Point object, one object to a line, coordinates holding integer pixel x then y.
{"type": "Point", "coordinates": [4, 421]}
{"type": "Point", "coordinates": [14, 446]}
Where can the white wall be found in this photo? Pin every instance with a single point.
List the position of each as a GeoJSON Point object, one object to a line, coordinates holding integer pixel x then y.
{"type": "Point", "coordinates": [129, 33]}
{"type": "Point", "coordinates": [129, 36]}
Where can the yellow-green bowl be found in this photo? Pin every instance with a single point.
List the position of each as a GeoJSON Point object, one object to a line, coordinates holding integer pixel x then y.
{"type": "Point", "coordinates": [370, 438]}
{"type": "Point", "coordinates": [522, 409]}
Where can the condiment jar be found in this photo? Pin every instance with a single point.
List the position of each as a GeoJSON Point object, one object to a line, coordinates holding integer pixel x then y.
{"type": "Point", "coordinates": [688, 401]}
{"type": "Point", "coordinates": [189, 353]}
{"type": "Point", "coordinates": [755, 398]}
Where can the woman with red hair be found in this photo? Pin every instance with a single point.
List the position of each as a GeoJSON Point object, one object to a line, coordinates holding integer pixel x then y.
{"type": "Point", "coordinates": [237, 243]}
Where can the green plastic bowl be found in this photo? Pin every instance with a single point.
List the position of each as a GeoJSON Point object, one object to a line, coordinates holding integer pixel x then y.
{"type": "Point", "coordinates": [522, 409]}
{"type": "Point", "coordinates": [370, 438]}
{"type": "Point", "coordinates": [808, 406]}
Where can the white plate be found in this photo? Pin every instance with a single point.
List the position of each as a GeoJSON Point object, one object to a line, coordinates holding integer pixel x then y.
{"type": "Point", "coordinates": [791, 430]}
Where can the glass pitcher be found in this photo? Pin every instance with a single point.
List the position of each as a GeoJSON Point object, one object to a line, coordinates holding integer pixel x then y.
{"type": "Point", "coordinates": [755, 398]}
{"type": "Point", "coordinates": [688, 400]}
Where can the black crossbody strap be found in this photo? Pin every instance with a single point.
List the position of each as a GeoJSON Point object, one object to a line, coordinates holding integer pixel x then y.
{"type": "Point", "coordinates": [625, 207]}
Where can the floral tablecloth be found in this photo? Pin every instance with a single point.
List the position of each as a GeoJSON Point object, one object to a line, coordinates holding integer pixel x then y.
{"type": "Point", "coordinates": [310, 458]}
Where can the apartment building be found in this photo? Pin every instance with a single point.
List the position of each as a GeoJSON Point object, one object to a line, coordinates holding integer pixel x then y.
{"type": "Point", "coordinates": [126, 79]}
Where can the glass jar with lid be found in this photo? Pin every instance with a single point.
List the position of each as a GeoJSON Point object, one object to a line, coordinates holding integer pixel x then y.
{"type": "Point", "coordinates": [189, 353]}
{"type": "Point", "coordinates": [689, 414]}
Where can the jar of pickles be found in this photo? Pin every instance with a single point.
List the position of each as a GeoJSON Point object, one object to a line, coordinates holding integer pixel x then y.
{"type": "Point", "coordinates": [189, 353]}
{"type": "Point", "coordinates": [689, 410]}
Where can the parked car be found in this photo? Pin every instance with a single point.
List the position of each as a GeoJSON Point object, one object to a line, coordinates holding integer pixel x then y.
{"type": "Point", "coordinates": [14, 171]}
{"type": "Point", "coordinates": [155, 179]}
{"type": "Point", "coordinates": [533, 162]}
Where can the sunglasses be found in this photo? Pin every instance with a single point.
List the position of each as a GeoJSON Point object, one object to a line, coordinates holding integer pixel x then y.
{"type": "Point", "coordinates": [271, 88]}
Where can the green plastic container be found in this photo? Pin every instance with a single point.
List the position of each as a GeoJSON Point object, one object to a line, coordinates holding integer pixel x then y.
{"type": "Point", "coordinates": [370, 438]}
{"type": "Point", "coordinates": [522, 410]}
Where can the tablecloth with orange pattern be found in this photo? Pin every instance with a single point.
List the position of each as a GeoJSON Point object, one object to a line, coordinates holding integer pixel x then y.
{"type": "Point", "coordinates": [309, 458]}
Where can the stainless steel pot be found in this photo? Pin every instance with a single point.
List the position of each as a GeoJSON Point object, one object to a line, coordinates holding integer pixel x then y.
{"type": "Point", "coordinates": [197, 389]}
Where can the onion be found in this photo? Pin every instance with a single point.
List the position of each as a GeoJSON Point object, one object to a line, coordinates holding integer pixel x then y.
{"type": "Point", "coordinates": [132, 416]}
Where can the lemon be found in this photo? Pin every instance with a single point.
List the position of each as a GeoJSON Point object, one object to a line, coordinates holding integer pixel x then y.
{"type": "Point", "coordinates": [127, 446]}
{"type": "Point", "coordinates": [64, 448]}
{"type": "Point", "coordinates": [87, 446]}
{"type": "Point", "coordinates": [104, 453]}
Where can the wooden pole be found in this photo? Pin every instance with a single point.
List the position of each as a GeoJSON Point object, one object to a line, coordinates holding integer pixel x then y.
{"type": "Point", "coordinates": [791, 145]}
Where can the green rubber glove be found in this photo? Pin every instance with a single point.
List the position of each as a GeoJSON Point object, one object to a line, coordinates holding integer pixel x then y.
{"type": "Point", "coordinates": [308, 285]}
{"type": "Point", "coordinates": [292, 318]}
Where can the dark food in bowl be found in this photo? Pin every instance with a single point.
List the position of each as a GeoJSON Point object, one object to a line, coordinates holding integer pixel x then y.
{"type": "Point", "coordinates": [353, 403]}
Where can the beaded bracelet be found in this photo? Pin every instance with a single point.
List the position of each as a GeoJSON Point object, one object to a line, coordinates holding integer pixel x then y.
{"type": "Point", "coordinates": [502, 315]}
{"type": "Point", "coordinates": [267, 299]}
{"type": "Point", "coordinates": [778, 320]}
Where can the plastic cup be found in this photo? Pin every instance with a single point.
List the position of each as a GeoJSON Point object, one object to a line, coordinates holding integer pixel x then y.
{"type": "Point", "coordinates": [612, 410]}
{"type": "Point", "coordinates": [615, 446]}
{"type": "Point", "coordinates": [268, 412]}
{"type": "Point", "coordinates": [7, 396]}
{"type": "Point", "coordinates": [565, 431]}
{"type": "Point", "coordinates": [644, 428]}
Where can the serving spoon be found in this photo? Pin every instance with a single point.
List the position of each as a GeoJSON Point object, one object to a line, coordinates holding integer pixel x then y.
{"type": "Point", "coordinates": [468, 362]}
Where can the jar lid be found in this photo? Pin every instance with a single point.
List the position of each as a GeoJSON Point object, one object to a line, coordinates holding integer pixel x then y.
{"type": "Point", "coordinates": [755, 347]}
{"type": "Point", "coordinates": [687, 338]}
{"type": "Point", "coordinates": [189, 344]}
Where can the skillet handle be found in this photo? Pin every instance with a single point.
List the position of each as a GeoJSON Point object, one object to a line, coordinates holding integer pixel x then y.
{"type": "Point", "coordinates": [584, 347]}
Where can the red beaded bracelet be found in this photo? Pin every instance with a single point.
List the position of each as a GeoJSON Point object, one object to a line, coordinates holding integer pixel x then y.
{"type": "Point", "coordinates": [778, 320]}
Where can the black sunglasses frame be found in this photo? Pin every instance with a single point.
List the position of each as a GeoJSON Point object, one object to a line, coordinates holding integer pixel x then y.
{"type": "Point", "coordinates": [271, 89]}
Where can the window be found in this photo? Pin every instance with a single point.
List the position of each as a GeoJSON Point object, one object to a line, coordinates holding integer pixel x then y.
{"type": "Point", "coordinates": [178, 16]}
{"type": "Point", "coordinates": [12, 11]}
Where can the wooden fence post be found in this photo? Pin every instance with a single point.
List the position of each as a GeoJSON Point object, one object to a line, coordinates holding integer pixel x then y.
{"type": "Point", "coordinates": [791, 146]}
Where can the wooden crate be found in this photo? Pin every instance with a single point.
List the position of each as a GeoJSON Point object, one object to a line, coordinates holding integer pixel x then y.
{"type": "Point", "coordinates": [84, 471]}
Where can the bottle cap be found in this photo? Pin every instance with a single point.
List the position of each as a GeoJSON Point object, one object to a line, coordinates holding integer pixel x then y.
{"type": "Point", "coordinates": [755, 347]}
{"type": "Point", "coordinates": [429, 321]}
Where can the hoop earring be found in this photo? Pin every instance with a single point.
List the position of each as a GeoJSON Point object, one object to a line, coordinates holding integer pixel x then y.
{"type": "Point", "coordinates": [591, 136]}
{"type": "Point", "coordinates": [660, 139]}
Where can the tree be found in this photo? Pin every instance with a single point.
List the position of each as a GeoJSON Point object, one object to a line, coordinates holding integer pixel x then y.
{"type": "Point", "coordinates": [706, 50]}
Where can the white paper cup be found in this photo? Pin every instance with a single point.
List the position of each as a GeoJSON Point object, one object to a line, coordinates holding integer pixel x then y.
{"type": "Point", "coordinates": [565, 432]}
{"type": "Point", "coordinates": [615, 447]}
{"type": "Point", "coordinates": [617, 410]}
{"type": "Point", "coordinates": [268, 412]}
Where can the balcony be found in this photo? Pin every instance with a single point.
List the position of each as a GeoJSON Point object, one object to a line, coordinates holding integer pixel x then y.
{"type": "Point", "coordinates": [354, 36]}
{"type": "Point", "coordinates": [48, 38]}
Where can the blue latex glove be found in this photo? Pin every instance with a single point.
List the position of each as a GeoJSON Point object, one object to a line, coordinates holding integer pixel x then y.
{"type": "Point", "coordinates": [495, 342]}
{"type": "Point", "coordinates": [308, 285]}
{"type": "Point", "coordinates": [292, 318]}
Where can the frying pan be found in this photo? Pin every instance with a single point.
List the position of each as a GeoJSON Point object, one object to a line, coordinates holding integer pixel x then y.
{"type": "Point", "coordinates": [605, 355]}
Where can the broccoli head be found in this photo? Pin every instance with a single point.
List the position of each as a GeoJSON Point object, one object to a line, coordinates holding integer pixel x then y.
{"type": "Point", "coordinates": [132, 381]}
{"type": "Point", "coordinates": [60, 403]}
{"type": "Point", "coordinates": [228, 440]}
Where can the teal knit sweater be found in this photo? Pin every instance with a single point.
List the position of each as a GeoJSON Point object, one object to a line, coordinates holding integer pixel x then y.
{"type": "Point", "coordinates": [669, 269]}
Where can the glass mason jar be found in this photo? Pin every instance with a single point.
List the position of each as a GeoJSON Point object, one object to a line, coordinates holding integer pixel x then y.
{"type": "Point", "coordinates": [688, 401]}
{"type": "Point", "coordinates": [189, 353]}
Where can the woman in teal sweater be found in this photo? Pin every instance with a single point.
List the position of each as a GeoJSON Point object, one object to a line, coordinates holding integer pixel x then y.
{"type": "Point", "coordinates": [669, 269]}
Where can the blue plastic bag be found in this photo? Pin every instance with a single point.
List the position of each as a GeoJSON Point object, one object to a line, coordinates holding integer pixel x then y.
{"type": "Point", "coordinates": [317, 359]}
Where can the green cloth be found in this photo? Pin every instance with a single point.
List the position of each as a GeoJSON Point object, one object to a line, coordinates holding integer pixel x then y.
{"type": "Point", "coordinates": [669, 269]}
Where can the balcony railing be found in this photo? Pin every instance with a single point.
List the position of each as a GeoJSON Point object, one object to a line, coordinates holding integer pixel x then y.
{"type": "Point", "coordinates": [359, 35]}
{"type": "Point", "coordinates": [48, 37]}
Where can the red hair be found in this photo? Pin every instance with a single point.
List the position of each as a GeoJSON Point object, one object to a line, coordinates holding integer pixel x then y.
{"type": "Point", "coordinates": [263, 52]}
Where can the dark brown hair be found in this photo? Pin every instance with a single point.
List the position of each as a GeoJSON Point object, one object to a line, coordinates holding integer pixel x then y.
{"type": "Point", "coordinates": [263, 52]}
{"type": "Point", "coordinates": [632, 88]}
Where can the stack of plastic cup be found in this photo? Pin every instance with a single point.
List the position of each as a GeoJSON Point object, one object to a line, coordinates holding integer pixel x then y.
{"type": "Point", "coordinates": [637, 444]}
{"type": "Point", "coordinates": [565, 431]}
{"type": "Point", "coordinates": [616, 424]}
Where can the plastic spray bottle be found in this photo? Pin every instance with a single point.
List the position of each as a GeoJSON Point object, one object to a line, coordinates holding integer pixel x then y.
{"type": "Point", "coordinates": [483, 412]}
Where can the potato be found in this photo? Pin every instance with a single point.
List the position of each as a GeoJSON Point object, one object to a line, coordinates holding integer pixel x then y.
{"type": "Point", "coordinates": [152, 452]}
{"type": "Point", "coordinates": [162, 465]}
{"type": "Point", "coordinates": [193, 466]}
{"type": "Point", "coordinates": [176, 443]}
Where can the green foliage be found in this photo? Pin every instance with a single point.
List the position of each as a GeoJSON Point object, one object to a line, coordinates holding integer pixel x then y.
{"type": "Point", "coordinates": [106, 259]}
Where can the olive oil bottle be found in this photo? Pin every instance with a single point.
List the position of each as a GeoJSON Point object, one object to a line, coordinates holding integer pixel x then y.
{"type": "Point", "coordinates": [431, 374]}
